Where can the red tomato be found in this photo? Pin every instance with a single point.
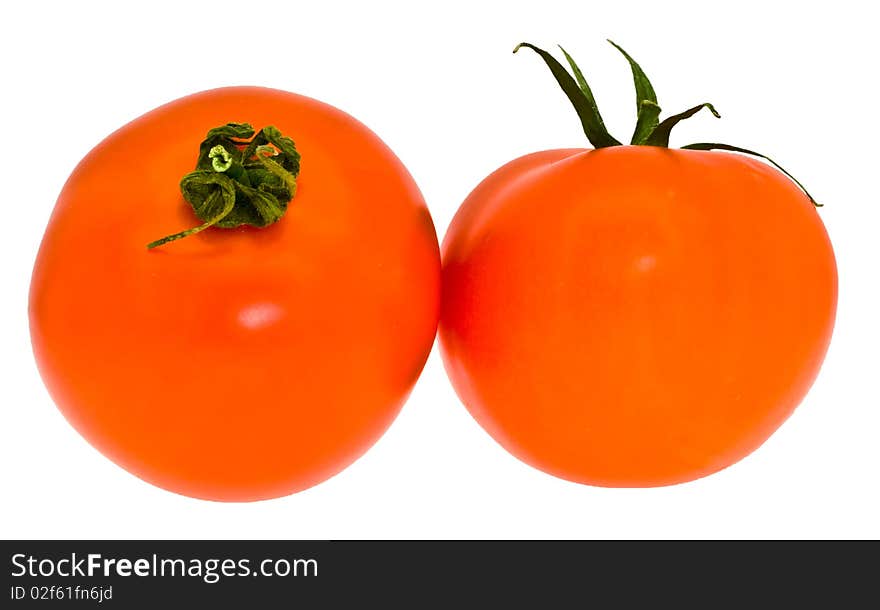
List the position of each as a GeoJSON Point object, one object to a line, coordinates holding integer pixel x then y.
{"type": "Point", "coordinates": [235, 364]}
{"type": "Point", "coordinates": [635, 315]}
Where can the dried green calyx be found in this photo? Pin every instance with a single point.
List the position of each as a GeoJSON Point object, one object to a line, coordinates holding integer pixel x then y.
{"type": "Point", "coordinates": [649, 131]}
{"type": "Point", "coordinates": [240, 179]}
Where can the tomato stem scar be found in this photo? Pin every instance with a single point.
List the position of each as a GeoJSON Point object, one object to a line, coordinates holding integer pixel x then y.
{"type": "Point", "coordinates": [239, 181]}
{"type": "Point", "coordinates": [649, 130]}
{"type": "Point", "coordinates": [218, 164]}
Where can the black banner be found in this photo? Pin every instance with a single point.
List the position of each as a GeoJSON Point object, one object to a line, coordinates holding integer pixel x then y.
{"type": "Point", "coordinates": [253, 574]}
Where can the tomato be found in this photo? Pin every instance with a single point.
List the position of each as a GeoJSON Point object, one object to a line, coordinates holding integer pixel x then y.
{"type": "Point", "coordinates": [635, 315]}
{"type": "Point", "coordinates": [241, 363]}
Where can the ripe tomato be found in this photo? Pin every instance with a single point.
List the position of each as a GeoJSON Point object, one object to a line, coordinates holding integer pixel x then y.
{"type": "Point", "coordinates": [235, 364]}
{"type": "Point", "coordinates": [635, 315]}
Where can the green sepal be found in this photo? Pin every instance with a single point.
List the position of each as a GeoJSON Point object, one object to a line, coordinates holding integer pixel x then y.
{"type": "Point", "coordinates": [647, 110]}
{"type": "Point", "coordinates": [239, 182]}
{"type": "Point", "coordinates": [580, 96]}
{"type": "Point", "coordinates": [660, 135]}
{"type": "Point", "coordinates": [728, 147]}
{"type": "Point", "coordinates": [214, 194]}
{"type": "Point", "coordinates": [584, 87]}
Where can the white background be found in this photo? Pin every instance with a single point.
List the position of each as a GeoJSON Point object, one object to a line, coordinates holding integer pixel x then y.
{"type": "Point", "coordinates": [438, 83]}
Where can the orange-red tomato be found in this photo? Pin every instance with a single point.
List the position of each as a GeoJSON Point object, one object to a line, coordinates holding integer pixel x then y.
{"type": "Point", "coordinates": [235, 364]}
{"type": "Point", "coordinates": [635, 315]}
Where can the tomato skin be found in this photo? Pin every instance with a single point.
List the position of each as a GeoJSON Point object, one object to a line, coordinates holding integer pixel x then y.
{"type": "Point", "coordinates": [236, 364]}
{"type": "Point", "coordinates": [635, 316]}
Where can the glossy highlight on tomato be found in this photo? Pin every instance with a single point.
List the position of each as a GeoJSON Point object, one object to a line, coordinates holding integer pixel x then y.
{"type": "Point", "coordinates": [245, 363]}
